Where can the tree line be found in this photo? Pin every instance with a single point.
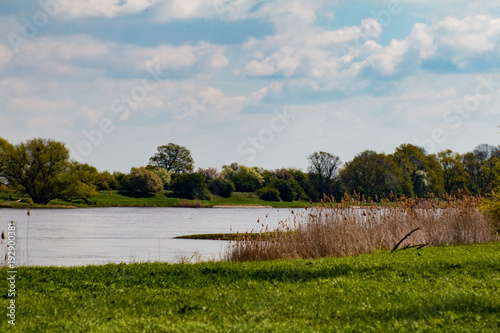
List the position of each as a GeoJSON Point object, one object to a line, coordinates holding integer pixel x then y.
{"type": "Point", "coordinates": [42, 169]}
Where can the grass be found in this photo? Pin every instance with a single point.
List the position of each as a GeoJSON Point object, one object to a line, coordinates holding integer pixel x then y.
{"type": "Point", "coordinates": [122, 199]}
{"type": "Point", "coordinates": [440, 289]}
{"type": "Point", "coordinates": [230, 236]}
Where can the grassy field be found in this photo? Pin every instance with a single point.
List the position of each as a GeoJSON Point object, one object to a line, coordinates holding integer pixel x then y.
{"type": "Point", "coordinates": [443, 289]}
{"type": "Point", "coordinates": [119, 199]}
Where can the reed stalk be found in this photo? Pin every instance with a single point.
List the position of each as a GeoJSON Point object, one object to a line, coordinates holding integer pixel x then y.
{"type": "Point", "coordinates": [348, 229]}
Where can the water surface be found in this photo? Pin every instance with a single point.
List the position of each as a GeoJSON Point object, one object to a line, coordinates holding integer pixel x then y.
{"type": "Point", "coordinates": [70, 237]}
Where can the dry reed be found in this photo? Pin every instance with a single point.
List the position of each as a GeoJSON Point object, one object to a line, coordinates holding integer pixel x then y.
{"type": "Point", "coordinates": [348, 229]}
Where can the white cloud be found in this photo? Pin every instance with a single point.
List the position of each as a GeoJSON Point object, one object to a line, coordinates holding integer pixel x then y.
{"type": "Point", "coordinates": [5, 55]}
{"type": "Point", "coordinates": [181, 9]}
{"type": "Point", "coordinates": [173, 57]}
{"type": "Point", "coordinates": [87, 56]}
{"type": "Point", "coordinates": [469, 42]}
{"type": "Point", "coordinates": [310, 58]}
{"type": "Point", "coordinates": [104, 8]}
{"type": "Point", "coordinates": [37, 105]}
{"type": "Point", "coordinates": [195, 100]}
{"type": "Point", "coordinates": [307, 50]}
{"type": "Point", "coordinates": [281, 11]}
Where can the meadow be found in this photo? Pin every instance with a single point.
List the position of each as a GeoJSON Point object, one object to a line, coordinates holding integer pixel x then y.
{"type": "Point", "coordinates": [438, 289]}
{"type": "Point", "coordinates": [409, 266]}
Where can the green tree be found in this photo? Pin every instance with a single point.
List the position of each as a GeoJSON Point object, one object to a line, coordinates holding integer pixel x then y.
{"type": "Point", "coordinates": [483, 168]}
{"type": "Point", "coordinates": [371, 174]}
{"type": "Point", "coordinates": [222, 187]}
{"type": "Point", "coordinates": [286, 189]}
{"type": "Point", "coordinates": [324, 167]}
{"type": "Point", "coordinates": [305, 190]}
{"type": "Point", "coordinates": [173, 158]}
{"type": "Point", "coordinates": [455, 178]}
{"type": "Point", "coordinates": [190, 186]}
{"type": "Point", "coordinates": [269, 193]}
{"type": "Point", "coordinates": [410, 159]}
{"type": "Point", "coordinates": [5, 146]}
{"type": "Point", "coordinates": [37, 167]}
{"type": "Point", "coordinates": [81, 182]}
{"type": "Point", "coordinates": [105, 181]}
{"type": "Point", "coordinates": [144, 181]}
{"type": "Point", "coordinates": [121, 181]}
{"type": "Point", "coordinates": [245, 179]}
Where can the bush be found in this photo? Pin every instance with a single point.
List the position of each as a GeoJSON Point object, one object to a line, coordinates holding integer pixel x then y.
{"type": "Point", "coordinates": [245, 179]}
{"type": "Point", "coordinates": [144, 181]}
{"type": "Point", "coordinates": [286, 191]}
{"type": "Point", "coordinates": [165, 176]}
{"type": "Point", "coordinates": [269, 193]}
{"type": "Point", "coordinates": [190, 186]}
{"type": "Point", "coordinates": [120, 182]}
{"type": "Point", "coordinates": [222, 187]}
{"type": "Point", "coordinates": [491, 208]}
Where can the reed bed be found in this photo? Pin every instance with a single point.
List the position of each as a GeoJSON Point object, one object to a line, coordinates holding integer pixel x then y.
{"type": "Point", "coordinates": [348, 229]}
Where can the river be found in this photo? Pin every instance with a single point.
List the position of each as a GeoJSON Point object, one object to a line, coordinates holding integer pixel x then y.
{"type": "Point", "coordinates": [73, 237]}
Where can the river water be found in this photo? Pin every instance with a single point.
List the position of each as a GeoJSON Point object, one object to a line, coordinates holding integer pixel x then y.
{"type": "Point", "coordinates": [72, 237]}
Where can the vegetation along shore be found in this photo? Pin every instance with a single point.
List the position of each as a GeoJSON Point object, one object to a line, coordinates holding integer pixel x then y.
{"type": "Point", "coordinates": [40, 172]}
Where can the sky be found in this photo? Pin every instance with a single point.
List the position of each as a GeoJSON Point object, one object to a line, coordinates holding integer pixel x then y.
{"type": "Point", "coordinates": [260, 83]}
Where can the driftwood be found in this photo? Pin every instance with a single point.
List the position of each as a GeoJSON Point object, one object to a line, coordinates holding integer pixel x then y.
{"type": "Point", "coordinates": [405, 237]}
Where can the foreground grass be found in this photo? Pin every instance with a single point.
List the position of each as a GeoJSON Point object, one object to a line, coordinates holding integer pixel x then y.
{"type": "Point", "coordinates": [447, 289]}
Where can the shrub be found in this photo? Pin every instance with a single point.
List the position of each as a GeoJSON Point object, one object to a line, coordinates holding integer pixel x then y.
{"type": "Point", "coordinates": [121, 181]}
{"type": "Point", "coordinates": [245, 179]}
{"type": "Point", "coordinates": [209, 174]}
{"type": "Point", "coordinates": [165, 176]}
{"type": "Point", "coordinates": [222, 187]}
{"type": "Point", "coordinates": [269, 193]}
{"type": "Point", "coordinates": [286, 191]}
{"type": "Point", "coordinates": [144, 181]}
{"type": "Point", "coordinates": [491, 208]}
{"type": "Point", "coordinates": [190, 186]}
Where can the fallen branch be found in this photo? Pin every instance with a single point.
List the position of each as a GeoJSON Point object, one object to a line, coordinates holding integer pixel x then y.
{"type": "Point", "coordinates": [402, 240]}
{"type": "Point", "coordinates": [418, 246]}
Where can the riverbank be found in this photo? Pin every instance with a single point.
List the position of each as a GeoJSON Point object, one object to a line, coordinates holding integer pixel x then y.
{"type": "Point", "coordinates": [11, 199]}
{"type": "Point", "coordinates": [439, 289]}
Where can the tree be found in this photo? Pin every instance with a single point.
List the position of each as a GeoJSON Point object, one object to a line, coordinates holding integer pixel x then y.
{"type": "Point", "coordinates": [37, 167]}
{"type": "Point", "coordinates": [286, 189]}
{"type": "Point", "coordinates": [454, 176]}
{"type": "Point", "coordinates": [483, 168]}
{"type": "Point", "coordinates": [145, 181]}
{"type": "Point", "coordinates": [209, 174]}
{"type": "Point", "coordinates": [269, 193]}
{"type": "Point", "coordinates": [5, 146]}
{"type": "Point", "coordinates": [410, 159]}
{"type": "Point", "coordinates": [81, 182]}
{"type": "Point", "coordinates": [304, 188]}
{"type": "Point", "coordinates": [370, 174]}
{"type": "Point", "coordinates": [221, 186]}
{"type": "Point", "coordinates": [324, 168]}
{"type": "Point", "coordinates": [190, 186]}
{"type": "Point", "coordinates": [174, 158]}
{"type": "Point", "coordinates": [245, 179]}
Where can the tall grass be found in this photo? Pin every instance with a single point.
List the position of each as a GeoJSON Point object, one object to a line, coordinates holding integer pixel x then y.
{"type": "Point", "coordinates": [346, 229]}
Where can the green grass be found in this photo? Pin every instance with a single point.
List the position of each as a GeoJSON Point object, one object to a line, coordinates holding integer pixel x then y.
{"type": "Point", "coordinates": [231, 236]}
{"type": "Point", "coordinates": [120, 199]}
{"type": "Point", "coordinates": [442, 289]}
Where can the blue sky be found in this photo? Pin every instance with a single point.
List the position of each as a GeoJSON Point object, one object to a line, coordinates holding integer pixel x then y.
{"type": "Point", "coordinates": [262, 83]}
